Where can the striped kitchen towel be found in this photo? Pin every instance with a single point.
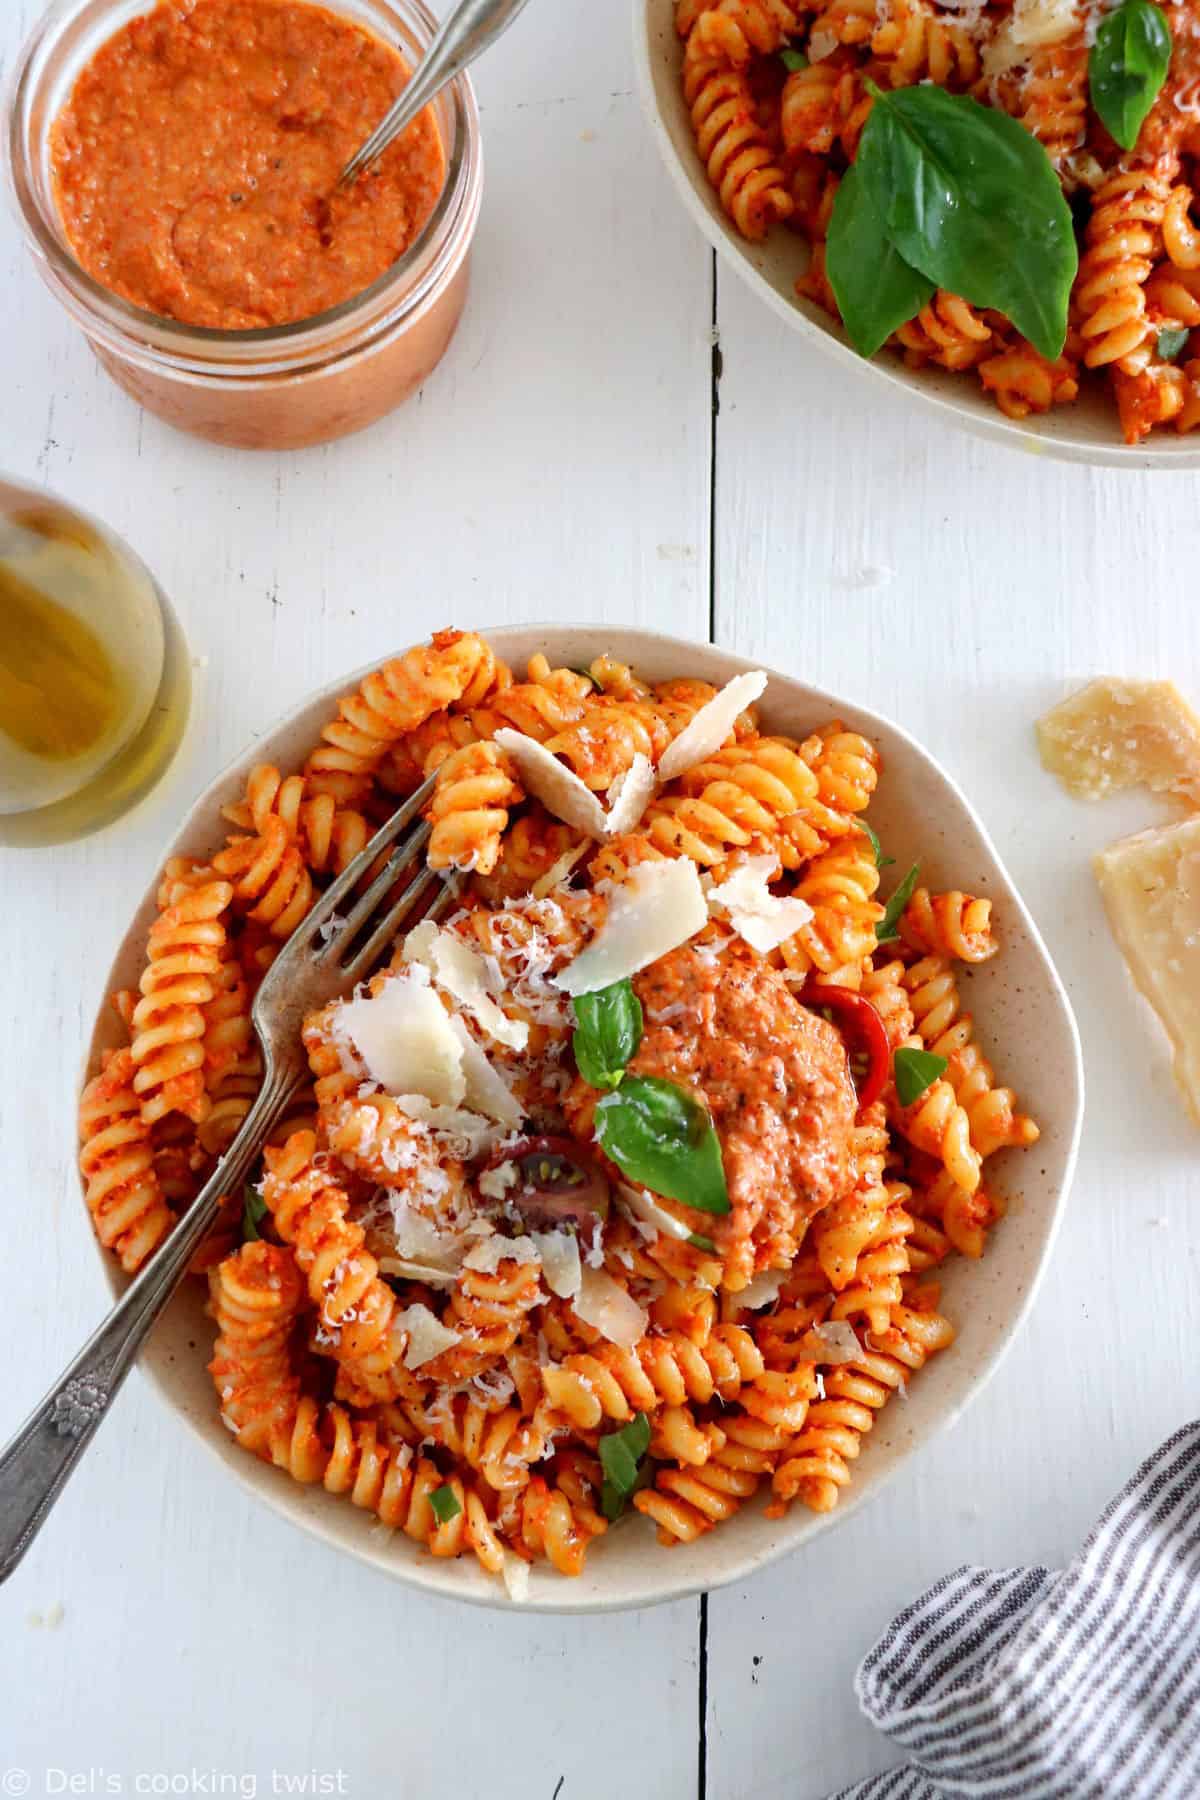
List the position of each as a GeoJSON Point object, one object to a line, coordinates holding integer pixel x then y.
{"type": "Point", "coordinates": [1031, 1684]}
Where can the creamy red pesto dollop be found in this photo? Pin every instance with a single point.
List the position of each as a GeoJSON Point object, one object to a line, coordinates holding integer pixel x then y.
{"type": "Point", "coordinates": [197, 158]}
{"type": "Point", "coordinates": [724, 1024]}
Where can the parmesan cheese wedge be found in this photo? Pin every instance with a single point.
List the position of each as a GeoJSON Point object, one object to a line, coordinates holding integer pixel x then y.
{"type": "Point", "coordinates": [660, 906]}
{"type": "Point", "coordinates": [629, 796]}
{"type": "Point", "coordinates": [487, 1091]}
{"type": "Point", "coordinates": [427, 1336]}
{"type": "Point", "coordinates": [1151, 890]}
{"type": "Point", "coordinates": [1118, 734]}
{"type": "Point", "coordinates": [405, 1039]}
{"type": "Point", "coordinates": [603, 1304]}
{"type": "Point", "coordinates": [765, 920]}
{"type": "Point", "coordinates": [708, 729]}
{"type": "Point", "coordinates": [558, 788]}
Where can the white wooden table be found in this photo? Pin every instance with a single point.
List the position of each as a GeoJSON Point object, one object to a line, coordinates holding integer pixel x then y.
{"type": "Point", "coordinates": [564, 463]}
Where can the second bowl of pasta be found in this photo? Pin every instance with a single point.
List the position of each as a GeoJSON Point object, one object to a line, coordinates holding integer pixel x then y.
{"type": "Point", "coordinates": [788, 131]}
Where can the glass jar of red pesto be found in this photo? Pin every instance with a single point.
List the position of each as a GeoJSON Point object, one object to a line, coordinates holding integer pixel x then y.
{"type": "Point", "coordinates": [279, 387]}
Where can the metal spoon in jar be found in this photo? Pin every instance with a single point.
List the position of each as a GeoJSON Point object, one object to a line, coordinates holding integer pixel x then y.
{"type": "Point", "coordinates": [472, 28]}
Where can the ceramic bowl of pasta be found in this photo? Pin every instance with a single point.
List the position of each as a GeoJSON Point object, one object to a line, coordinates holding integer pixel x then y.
{"type": "Point", "coordinates": [864, 164]}
{"type": "Point", "coordinates": [646, 1209]}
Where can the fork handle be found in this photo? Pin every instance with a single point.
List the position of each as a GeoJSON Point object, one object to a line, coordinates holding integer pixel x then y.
{"type": "Point", "coordinates": [35, 1464]}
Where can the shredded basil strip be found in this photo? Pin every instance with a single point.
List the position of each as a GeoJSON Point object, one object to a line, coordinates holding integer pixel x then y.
{"type": "Point", "coordinates": [698, 1241]}
{"type": "Point", "coordinates": [1127, 66]}
{"type": "Point", "coordinates": [621, 1458]}
{"type": "Point", "coordinates": [887, 928]}
{"type": "Point", "coordinates": [872, 836]}
{"type": "Point", "coordinates": [444, 1502]}
{"type": "Point", "coordinates": [1171, 340]}
{"type": "Point", "coordinates": [608, 1030]}
{"type": "Point", "coordinates": [658, 1135]}
{"type": "Point", "coordinates": [793, 60]}
{"type": "Point", "coordinates": [914, 1071]}
{"type": "Point", "coordinates": [969, 197]}
{"type": "Point", "coordinates": [254, 1210]}
{"type": "Point", "coordinates": [876, 290]}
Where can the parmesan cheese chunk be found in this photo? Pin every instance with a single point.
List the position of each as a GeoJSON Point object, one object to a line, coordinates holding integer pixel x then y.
{"type": "Point", "coordinates": [557, 787]}
{"type": "Point", "coordinates": [1151, 889]}
{"type": "Point", "coordinates": [765, 920]}
{"type": "Point", "coordinates": [603, 1304]}
{"type": "Point", "coordinates": [487, 1091]}
{"type": "Point", "coordinates": [629, 796]}
{"type": "Point", "coordinates": [403, 1036]}
{"type": "Point", "coordinates": [495, 1183]}
{"type": "Point", "coordinates": [1118, 734]}
{"type": "Point", "coordinates": [427, 1336]}
{"type": "Point", "coordinates": [559, 1251]}
{"type": "Point", "coordinates": [660, 906]}
{"type": "Point", "coordinates": [487, 1256]}
{"type": "Point", "coordinates": [708, 729]}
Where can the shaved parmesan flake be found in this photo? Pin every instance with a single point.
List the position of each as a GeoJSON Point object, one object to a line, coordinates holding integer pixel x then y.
{"type": "Point", "coordinates": [1038, 22]}
{"type": "Point", "coordinates": [417, 1239]}
{"type": "Point", "coordinates": [833, 1342]}
{"type": "Point", "coordinates": [604, 1305]}
{"type": "Point", "coordinates": [559, 1251]}
{"type": "Point", "coordinates": [765, 920]}
{"type": "Point", "coordinates": [630, 795]}
{"type": "Point", "coordinates": [464, 1134]}
{"type": "Point", "coordinates": [403, 1036]}
{"type": "Point", "coordinates": [660, 906]}
{"type": "Point", "coordinates": [558, 871]}
{"type": "Point", "coordinates": [708, 729]}
{"type": "Point", "coordinates": [427, 1336]}
{"type": "Point", "coordinates": [463, 973]}
{"type": "Point", "coordinates": [415, 1271]}
{"type": "Point", "coordinates": [558, 788]}
{"type": "Point", "coordinates": [762, 1290]}
{"type": "Point", "coordinates": [487, 1091]}
{"type": "Point", "coordinates": [487, 1256]}
{"type": "Point", "coordinates": [495, 1183]}
{"type": "Point", "coordinates": [644, 1206]}
{"type": "Point", "coordinates": [516, 1577]}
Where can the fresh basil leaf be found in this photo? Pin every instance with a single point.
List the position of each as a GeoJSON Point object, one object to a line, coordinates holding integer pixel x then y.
{"type": "Point", "coordinates": [254, 1210]}
{"type": "Point", "coordinates": [444, 1502]}
{"type": "Point", "coordinates": [658, 1135]}
{"type": "Point", "coordinates": [1128, 65]}
{"type": "Point", "coordinates": [608, 1030]}
{"type": "Point", "coordinates": [970, 198]}
{"type": "Point", "coordinates": [1171, 340]}
{"type": "Point", "coordinates": [793, 60]}
{"type": "Point", "coordinates": [621, 1458]}
{"type": "Point", "coordinates": [872, 836]}
{"type": "Point", "coordinates": [887, 928]}
{"type": "Point", "coordinates": [914, 1071]}
{"type": "Point", "coordinates": [698, 1241]}
{"type": "Point", "coordinates": [876, 290]}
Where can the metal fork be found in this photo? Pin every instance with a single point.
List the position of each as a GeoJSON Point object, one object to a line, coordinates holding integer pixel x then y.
{"type": "Point", "coordinates": [322, 960]}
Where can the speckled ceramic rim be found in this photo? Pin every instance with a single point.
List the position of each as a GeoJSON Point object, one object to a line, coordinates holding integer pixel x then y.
{"type": "Point", "coordinates": [1085, 432]}
{"type": "Point", "coordinates": [1028, 1029]}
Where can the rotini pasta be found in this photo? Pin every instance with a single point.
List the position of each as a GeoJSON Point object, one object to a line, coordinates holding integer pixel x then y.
{"type": "Point", "coordinates": [458, 1292]}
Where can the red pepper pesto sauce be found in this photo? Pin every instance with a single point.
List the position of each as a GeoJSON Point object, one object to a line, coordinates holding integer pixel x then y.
{"type": "Point", "coordinates": [776, 1080]}
{"type": "Point", "coordinates": [196, 160]}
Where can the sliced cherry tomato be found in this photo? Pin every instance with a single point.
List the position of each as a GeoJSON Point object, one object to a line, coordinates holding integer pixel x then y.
{"type": "Point", "coordinates": [861, 1024]}
{"type": "Point", "coordinates": [557, 1183]}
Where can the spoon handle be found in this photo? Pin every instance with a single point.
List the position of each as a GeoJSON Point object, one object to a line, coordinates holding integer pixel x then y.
{"type": "Point", "coordinates": [472, 28]}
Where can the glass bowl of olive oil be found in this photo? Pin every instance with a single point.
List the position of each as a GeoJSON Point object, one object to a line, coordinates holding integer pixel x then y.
{"type": "Point", "coordinates": [95, 681]}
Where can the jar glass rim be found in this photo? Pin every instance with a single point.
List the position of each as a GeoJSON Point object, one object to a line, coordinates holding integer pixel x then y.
{"type": "Point", "coordinates": [156, 330]}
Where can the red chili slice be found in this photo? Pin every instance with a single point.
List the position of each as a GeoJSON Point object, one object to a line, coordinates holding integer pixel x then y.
{"type": "Point", "coordinates": [558, 1183]}
{"type": "Point", "coordinates": [859, 1021]}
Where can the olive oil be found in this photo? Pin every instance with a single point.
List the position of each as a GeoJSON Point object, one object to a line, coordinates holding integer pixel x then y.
{"type": "Point", "coordinates": [94, 677]}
